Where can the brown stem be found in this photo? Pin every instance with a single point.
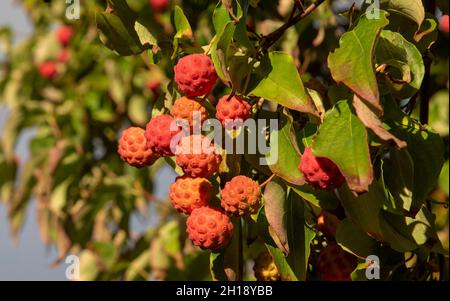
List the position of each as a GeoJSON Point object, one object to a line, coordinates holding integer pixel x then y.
{"type": "Point", "coordinates": [270, 39]}
{"type": "Point", "coordinates": [240, 271]}
{"type": "Point", "coordinates": [266, 181]}
{"type": "Point", "coordinates": [425, 92]}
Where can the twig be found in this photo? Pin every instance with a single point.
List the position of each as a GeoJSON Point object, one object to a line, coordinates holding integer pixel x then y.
{"type": "Point", "coordinates": [240, 271]}
{"type": "Point", "coordinates": [266, 181]}
{"type": "Point", "coordinates": [271, 38]}
{"type": "Point", "coordinates": [430, 7]}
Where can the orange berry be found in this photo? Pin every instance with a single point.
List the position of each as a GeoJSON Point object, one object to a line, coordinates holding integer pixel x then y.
{"type": "Point", "coordinates": [133, 148]}
{"type": "Point", "coordinates": [187, 194]}
{"type": "Point", "coordinates": [241, 196]}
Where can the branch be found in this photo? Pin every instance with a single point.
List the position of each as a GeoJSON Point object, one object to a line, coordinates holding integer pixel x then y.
{"type": "Point", "coordinates": [271, 38]}
{"type": "Point", "coordinates": [425, 92]}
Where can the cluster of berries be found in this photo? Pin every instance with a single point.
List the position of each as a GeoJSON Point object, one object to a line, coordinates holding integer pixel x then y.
{"type": "Point", "coordinates": [49, 69]}
{"type": "Point", "coordinates": [191, 193]}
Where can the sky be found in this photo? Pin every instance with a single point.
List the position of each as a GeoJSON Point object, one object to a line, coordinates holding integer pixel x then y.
{"type": "Point", "coordinates": [29, 259]}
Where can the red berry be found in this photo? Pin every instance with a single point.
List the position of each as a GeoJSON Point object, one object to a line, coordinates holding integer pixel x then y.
{"type": "Point", "coordinates": [335, 264]}
{"type": "Point", "coordinates": [48, 70]}
{"type": "Point", "coordinates": [187, 194]}
{"type": "Point", "coordinates": [159, 134]}
{"type": "Point", "coordinates": [230, 111]}
{"type": "Point", "coordinates": [133, 148]}
{"type": "Point", "coordinates": [153, 85]}
{"type": "Point", "coordinates": [327, 223]}
{"type": "Point", "coordinates": [241, 196]}
{"type": "Point", "coordinates": [63, 56]}
{"type": "Point", "coordinates": [159, 5]}
{"type": "Point", "coordinates": [195, 75]}
{"type": "Point", "coordinates": [320, 172]}
{"type": "Point", "coordinates": [443, 23]}
{"type": "Point", "coordinates": [64, 35]}
{"type": "Point", "coordinates": [209, 228]}
{"type": "Point", "coordinates": [197, 156]}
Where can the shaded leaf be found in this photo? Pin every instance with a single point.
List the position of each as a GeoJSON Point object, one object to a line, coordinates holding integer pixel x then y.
{"type": "Point", "coordinates": [412, 9]}
{"type": "Point", "coordinates": [400, 57]}
{"type": "Point", "coordinates": [283, 157]}
{"type": "Point", "coordinates": [276, 211]}
{"type": "Point", "coordinates": [371, 121]}
{"type": "Point", "coordinates": [354, 240]}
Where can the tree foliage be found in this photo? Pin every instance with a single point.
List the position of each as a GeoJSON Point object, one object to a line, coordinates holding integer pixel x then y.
{"type": "Point", "coordinates": [370, 94]}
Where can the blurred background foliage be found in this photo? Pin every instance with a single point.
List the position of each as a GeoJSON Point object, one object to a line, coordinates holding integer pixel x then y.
{"type": "Point", "coordinates": [85, 195]}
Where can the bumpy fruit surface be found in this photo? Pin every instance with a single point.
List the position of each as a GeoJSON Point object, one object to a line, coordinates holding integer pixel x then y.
{"type": "Point", "coordinates": [443, 23]}
{"type": "Point", "coordinates": [209, 228]}
{"type": "Point", "coordinates": [48, 70]}
{"type": "Point", "coordinates": [230, 111]}
{"type": "Point", "coordinates": [197, 156]}
{"type": "Point", "coordinates": [327, 223]}
{"type": "Point", "coordinates": [335, 264]}
{"type": "Point", "coordinates": [187, 194]}
{"type": "Point", "coordinates": [184, 108]}
{"type": "Point", "coordinates": [195, 75]}
{"type": "Point", "coordinates": [133, 148]}
{"type": "Point", "coordinates": [159, 134]}
{"type": "Point", "coordinates": [265, 268]}
{"type": "Point", "coordinates": [321, 173]}
{"type": "Point", "coordinates": [159, 5]}
{"type": "Point", "coordinates": [64, 35]}
{"type": "Point", "coordinates": [241, 196]}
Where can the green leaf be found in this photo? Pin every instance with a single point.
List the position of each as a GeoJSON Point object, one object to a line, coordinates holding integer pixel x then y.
{"type": "Point", "coordinates": [352, 239]}
{"type": "Point", "coordinates": [283, 266]}
{"type": "Point", "coordinates": [285, 270]}
{"type": "Point", "coordinates": [407, 234]}
{"type": "Point", "coordinates": [425, 147]}
{"type": "Point", "coordinates": [181, 23]}
{"type": "Point", "coordinates": [364, 209]}
{"type": "Point", "coordinates": [319, 198]}
{"type": "Point", "coordinates": [285, 215]}
{"type": "Point", "coordinates": [283, 157]}
{"type": "Point", "coordinates": [352, 62]}
{"type": "Point", "coordinates": [137, 110]}
{"type": "Point", "coordinates": [277, 79]}
{"type": "Point", "coordinates": [137, 266]}
{"type": "Point", "coordinates": [107, 253]}
{"type": "Point", "coordinates": [439, 112]}
{"type": "Point", "coordinates": [219, 51]}
{"type": "Point", "coordinates": [397, 169]}
{"type": "Point", "coordinates": [119, 35]}
{"type": "Point", "coordinates": [58, 197]}
{"type": "Point", "coordinates": [88, 266]}
{"type": "Point", "coordinates": [405, 69]}
{"type": "Point", "coordinates": [183, 29]}
{"type": "Point", "coordinates": [216, 265]}
{"type": "Point", "coordinates": [299, 236]}
{"type": "Point", "coordinates": [443, 178]}
{"type": "Point", "coordinates": [412, 9]}
{"type": "Point", "coordinates": [342, 138]}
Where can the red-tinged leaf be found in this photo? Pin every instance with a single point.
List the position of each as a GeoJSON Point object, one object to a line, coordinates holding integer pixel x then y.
{"type": "Point", "coordinates": [371, 121]}
{"type": "Point", "coordinates": [352, 63]}
{"type": "Point", "coordinates": [342, 138]}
